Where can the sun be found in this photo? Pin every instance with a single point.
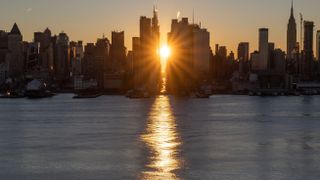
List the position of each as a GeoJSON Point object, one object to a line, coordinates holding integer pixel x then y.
{"type": "Point", "coordinates": [165, 52]}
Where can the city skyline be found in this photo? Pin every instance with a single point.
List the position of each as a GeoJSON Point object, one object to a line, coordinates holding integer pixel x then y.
{"type": "Point", "coordinates": [226, 28]}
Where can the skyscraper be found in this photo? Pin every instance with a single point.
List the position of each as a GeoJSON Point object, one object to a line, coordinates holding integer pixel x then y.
{"type": "Point", "coordinates": [62, 58]}
{"type": "Point", "coordinates": [264, 48]}
{"type": "Point", "coordinates": [243, 51]}
{"type": "Point", "coordinates": [3, 54]}
{"type": "Point", "coordinates": [180, 75]}
{"type": "Point", "coordinates": [117, 53]}
{"type": "Point", "coordinates": [156, 28]}
{"type": "Point", "coordinates": [149, 45]}
{"type": "Point", "coordinates": [189, 66]}
{"type": "Point", "coordinates": [243, 57]}
{"type": "Point", "coordinates": [76, 57]}
{"type": "Point", "coordinates": [318, 45]}
{"type": "Point", "coordinates": [201, 52]}
{"type": "Point", "coordinates": [15, 52]}
{"type": "Point", "coordinates": [101, 56]}
{"type": "Point", "coordinates": [46, 52]}
{"type": "Point", "coordinates": [308, 47]}
{"type": "Point", "coordinates": [291, 34]}
{"type": "Point", "coordinates": [136, 62]}
{"type": "Point", "coordinates": [145, 55]}
{"type": "Point", "coordinates": [156, 63]}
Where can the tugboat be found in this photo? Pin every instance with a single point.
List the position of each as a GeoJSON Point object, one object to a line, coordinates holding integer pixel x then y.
{"type": "Point", "coordinates": [37, 89]}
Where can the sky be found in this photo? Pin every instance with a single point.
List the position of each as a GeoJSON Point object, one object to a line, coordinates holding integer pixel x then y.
{"type": "Point", "coordinates": [228, 21]}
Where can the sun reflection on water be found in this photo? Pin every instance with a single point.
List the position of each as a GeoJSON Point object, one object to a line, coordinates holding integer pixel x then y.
{"type": "Point", "coordinates": [162, 139]}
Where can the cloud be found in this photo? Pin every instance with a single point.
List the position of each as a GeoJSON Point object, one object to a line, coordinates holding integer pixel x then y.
{"type": "Point", "coordinates": [28, 10]}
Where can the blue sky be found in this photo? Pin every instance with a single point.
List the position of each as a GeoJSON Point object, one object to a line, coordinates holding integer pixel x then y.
{"type": "Point", "coordinates": [229, 21]}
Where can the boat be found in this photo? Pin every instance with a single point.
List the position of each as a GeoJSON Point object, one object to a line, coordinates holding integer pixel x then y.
{"type": "Point", "coordinates": [37, 89]}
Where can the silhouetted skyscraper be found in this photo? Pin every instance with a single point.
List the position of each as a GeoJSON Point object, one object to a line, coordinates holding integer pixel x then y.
{"type": "Point", "coordinates": [15, 52]}
{"type": "Point", "coordinates": [279, 61]}
{"type": "Point", "coordinates": [201, 52]}
{"type": "Point", "coordinates": [243, 57]}
{"type": "Point", "coordinates": [76, 57]}
{"type": "Point", "coordinates": [156, 63]}
{"type": "Point", "coordinates": [264, 48]}
{"type": "Point", "coordinates": [308, 48]}
{"type": "Point", "coordinates": [318, 45]}
{"type": "Point", "coordinates": [189, 66]}
{"type": "Point", "coordinates": [150, 69]}
{"type": "Point", "coordinates": [137, 65]}
{"type": "Point", "coordinates": [243, 51]}
{"type": "Point", "coordinates": [46, 52]}
{"type": "Point", "coordinates": [117, 53]}
{"type": "Point", "coordinates": [145, 48]}
{"type": "Point", "coordinates": [62, 58]}
{"type": "Point", "coordinates": [102, 53]}
{"type": "Point", "coordinates": [180, 75]}
{"type": "Point", "coordinates": [89, 66]}
{"type": "Point", "coordinates": [156, 29]}
{"type": "Point", "coordinates": [291, 35]}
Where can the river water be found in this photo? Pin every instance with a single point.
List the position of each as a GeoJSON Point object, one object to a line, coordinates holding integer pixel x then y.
{"type": "Point", "coordinates": [111, 137]}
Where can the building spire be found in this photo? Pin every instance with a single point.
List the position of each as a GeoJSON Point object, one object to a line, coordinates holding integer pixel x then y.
{"type": "Point", "coordinates": [292, 8]}
{"type": "Point", "coordinates": [155, 20]}
{"type": "Point", "coordinates": [15, 29]}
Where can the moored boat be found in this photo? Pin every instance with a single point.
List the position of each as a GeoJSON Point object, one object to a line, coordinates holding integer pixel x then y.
{"type": "Point", "coordinates": [37, 89]}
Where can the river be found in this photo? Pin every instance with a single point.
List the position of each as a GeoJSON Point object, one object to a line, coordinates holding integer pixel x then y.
{"type": "Point", "coordinates": [112, 137]}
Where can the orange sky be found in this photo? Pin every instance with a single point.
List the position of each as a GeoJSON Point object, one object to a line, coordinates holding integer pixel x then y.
{"type": "Point", "coordinates": [229, 21]}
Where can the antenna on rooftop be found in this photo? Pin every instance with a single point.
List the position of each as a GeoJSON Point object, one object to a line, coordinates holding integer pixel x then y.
{"type": "Point", "coordinates": [193, 16]}
{"type": "Point", "coordinates": [301, 29]}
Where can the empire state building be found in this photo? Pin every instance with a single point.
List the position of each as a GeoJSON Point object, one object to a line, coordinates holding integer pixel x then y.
{"type": "Point", "coordinates": [291, 34]}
